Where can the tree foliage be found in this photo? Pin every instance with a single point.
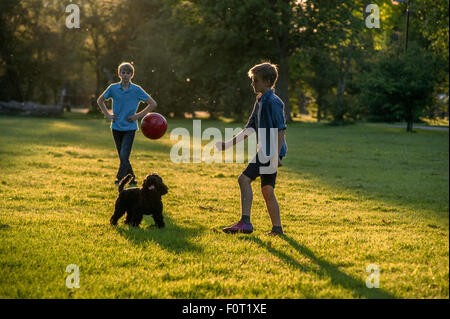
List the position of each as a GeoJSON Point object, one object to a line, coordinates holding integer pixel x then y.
{"type": "Point", "coordinates": [399, 86]}
{"type": "Point", "coordinates": [194, 54]}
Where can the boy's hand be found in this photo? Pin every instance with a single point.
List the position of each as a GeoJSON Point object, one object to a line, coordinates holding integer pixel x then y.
{"type": "Point", "coordinates": [111, 117]}
{"type": "Point", "coordinates": [133, 117]}
{"type": "Point", "coordinates": [280, 163]}
{"type": "Point", "coordinates": [220, 146]}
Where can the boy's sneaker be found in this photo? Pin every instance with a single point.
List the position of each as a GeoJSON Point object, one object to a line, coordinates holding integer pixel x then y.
{"type": "Point", "coordinates": [239, 227]}
{"type": "Point", "coordinates": [274, 233]}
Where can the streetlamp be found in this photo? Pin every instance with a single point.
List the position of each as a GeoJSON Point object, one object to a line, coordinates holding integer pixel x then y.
{"type": "Point", "coordinates": [407, 20]}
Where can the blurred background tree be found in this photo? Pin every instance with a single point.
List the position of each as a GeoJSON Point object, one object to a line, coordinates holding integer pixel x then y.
{"type": "Point", "coordinates": [193, 55]}
{"type": "Point", "coordinates": [386, 93]}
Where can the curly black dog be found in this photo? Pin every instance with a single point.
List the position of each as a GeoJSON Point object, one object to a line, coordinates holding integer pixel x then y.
{"type": "Point", "coordinates": [137, 202]}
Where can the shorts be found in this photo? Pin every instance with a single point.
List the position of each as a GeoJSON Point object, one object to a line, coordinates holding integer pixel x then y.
{"type": "Point", "coordinates": [252, 172]}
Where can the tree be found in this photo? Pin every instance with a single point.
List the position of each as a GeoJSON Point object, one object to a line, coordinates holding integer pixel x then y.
{"type": "Point", "coordinates": [337, 43]}
{"type": "Point", "coordinates": [156, 60]}
{"type": "Point", "coordinates": [223, 39]}
{"type": "Point", "coordinates": [11, 16]}
{"type": "Point", "coordinates": [36, 54]}
{"type": "Point", "coordinates": [432, 18]}
{"type": "Point", "coordinates": [399, 86]}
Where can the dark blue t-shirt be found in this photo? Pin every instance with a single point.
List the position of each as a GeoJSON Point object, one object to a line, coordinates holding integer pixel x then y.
{"type": "Point", "coordinates": [271, 116]}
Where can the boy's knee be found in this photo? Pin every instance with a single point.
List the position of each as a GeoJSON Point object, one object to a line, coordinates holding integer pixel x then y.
{"type": "Point", "coordinates": [124, 156]}
{"type": "Point", "coordinates": [268, 192]}
{"type": "Point", "coordinates": [244, 180]}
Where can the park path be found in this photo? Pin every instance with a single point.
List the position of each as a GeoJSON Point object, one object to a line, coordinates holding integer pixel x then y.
{"type": "Point", "coordinates": [415, 127]}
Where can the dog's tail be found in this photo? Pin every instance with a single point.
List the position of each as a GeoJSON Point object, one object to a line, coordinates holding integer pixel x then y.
{"type": "Point", "coordinates": [124, 182]}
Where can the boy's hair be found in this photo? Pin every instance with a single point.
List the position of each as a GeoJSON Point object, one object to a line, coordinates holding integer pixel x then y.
{"type": "Point", "coordinates": [266, 71]}
{"type": "Point", "coordinates": [127, 66]}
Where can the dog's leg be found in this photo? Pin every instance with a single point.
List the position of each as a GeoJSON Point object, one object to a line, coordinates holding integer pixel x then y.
{"type": "Point", "coordinates": [119, 211]}
{"type": "Point", "coordinates": [137, 220]}
{"type": "Point", "coordinates": [133, 218]}
{"type": "Point", "coordinates": [158, 218]}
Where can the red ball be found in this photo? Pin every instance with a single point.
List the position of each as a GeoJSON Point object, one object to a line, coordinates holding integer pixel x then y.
{"type": "Point", "coordinates": [153, 125]}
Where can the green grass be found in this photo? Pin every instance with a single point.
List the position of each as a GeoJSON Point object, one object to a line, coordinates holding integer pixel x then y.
{"type": "Point", "coordinates": [349, 196]}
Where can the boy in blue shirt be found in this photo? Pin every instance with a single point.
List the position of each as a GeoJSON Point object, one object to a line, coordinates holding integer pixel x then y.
{"type": "Point", "coordinates": [126, 97]}
{"type": "Point", "coordinates": [266, 119]}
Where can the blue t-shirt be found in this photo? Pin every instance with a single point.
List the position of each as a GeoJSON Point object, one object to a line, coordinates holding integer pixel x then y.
{"type": "Point", "coordinates": [125, 104]}
{"type": "Point", "coordinates": [271, 116]}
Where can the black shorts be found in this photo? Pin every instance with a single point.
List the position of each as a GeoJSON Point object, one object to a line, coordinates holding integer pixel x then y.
{"type": "Point", "coordinates": [252, 172]}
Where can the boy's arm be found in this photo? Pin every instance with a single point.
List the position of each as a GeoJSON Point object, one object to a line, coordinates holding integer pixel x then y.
{"type": "Point", "coordinates": [279, 122]}
{"type": "Point", "coordinates": [242, 135]}
{"type": "Point", "coordinates": [151, 105]}
{"type": "Point", "coordinates": [101, 104]}
{"type": "Point", "coordinates": [281, 135]}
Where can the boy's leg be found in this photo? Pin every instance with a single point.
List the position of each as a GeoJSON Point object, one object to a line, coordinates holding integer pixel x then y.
{"type": "Point", "coordinates": [246, 195]}
{"type": "Point", "coordinates": [267, 189]}
{"type": "Point", "coordinates": [125, 151]}
{"type": "Point", "coordinates": [118, 136]}
{"type": "Point", "coordinates": [245, 180]}
{"type": "Point", "coordinates": [272, 205]}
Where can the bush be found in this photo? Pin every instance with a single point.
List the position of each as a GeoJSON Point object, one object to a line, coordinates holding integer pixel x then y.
{"type": "Point", "coordinates": [398, 87]}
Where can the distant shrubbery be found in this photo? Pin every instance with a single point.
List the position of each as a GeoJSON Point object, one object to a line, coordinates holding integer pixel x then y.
{"type": "Point", "coordinates": [194, 55]}
{"type": "Point", "coordinates": [398, 87]}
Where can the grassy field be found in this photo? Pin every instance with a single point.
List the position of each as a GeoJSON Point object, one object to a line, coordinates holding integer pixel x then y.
{"type": "Point", "coordinates": [349, 196]}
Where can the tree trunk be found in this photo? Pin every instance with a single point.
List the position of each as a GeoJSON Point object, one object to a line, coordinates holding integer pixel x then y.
{"type": "Point", "coordinates": [319, 107]}
{"type": "Point", "coordinates": [282, 87]}
{"type": "Point", "coordinates": [409, 120]}
{"type": "Point", "coordinates": [342, 83]}
{"type": "Point", "coordinates": [98, 73]}
{"type": "Point", "coordinates": [302, 103]}
{"type": "Point", "coordinates": [409, 126]}
{"type": "Point", "coordinates": [14, 83]}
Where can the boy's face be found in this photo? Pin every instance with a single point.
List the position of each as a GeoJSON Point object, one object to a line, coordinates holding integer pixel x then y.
{"type": "Point", "coordinates": [259, 85]}
{"type": "Point", "coordinates": [125, 75]}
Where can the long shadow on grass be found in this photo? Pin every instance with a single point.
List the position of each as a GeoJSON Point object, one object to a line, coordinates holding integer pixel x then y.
{"type": "Point", "coordinates": [325, 269]}
{"type": "Point", "coordinates": [382, 165]}
{"type": "Point", "coordinates": [173, 237]}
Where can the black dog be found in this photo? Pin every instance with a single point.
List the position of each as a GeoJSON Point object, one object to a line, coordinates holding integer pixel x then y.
{"type": "Point", "coordinates": [137, 202]}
